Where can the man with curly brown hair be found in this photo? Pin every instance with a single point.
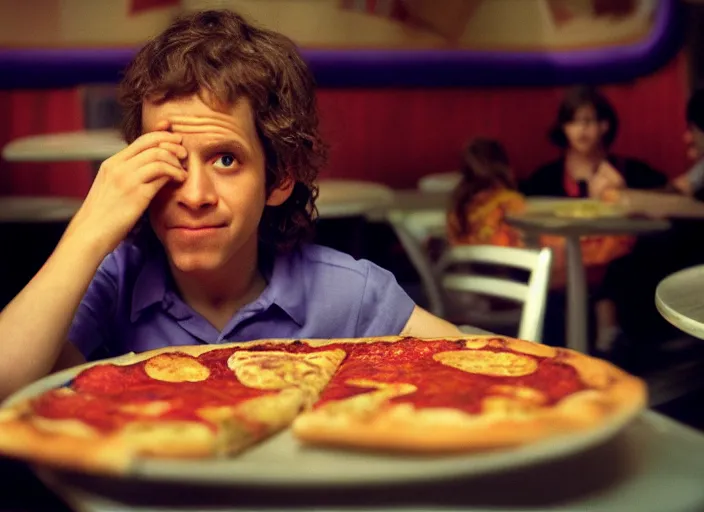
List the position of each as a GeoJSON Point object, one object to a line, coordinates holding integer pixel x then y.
{"type": "Point", "coordinates": [196, 232]}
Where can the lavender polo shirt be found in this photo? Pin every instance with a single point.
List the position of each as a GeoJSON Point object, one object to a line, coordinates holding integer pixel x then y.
{"type": "Point", "coordinates": [315, 292]}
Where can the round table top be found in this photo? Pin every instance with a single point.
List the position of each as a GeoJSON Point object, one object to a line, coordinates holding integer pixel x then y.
{"type": "Point", "coordinates": [680, 299]}
{"type": "Point", "coordinates": [439, 182]}
{"type": "Point", "coordinates": [92, 145]}
{"type": "Point", "coordinates": [348, 198]}
{"type": "Point", "coordinates": [37, 209]}
{"type": "Point", "coordinates": [540, 219]}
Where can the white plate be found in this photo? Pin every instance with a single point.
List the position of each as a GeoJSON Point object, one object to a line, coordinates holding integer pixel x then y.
{"type": "Point", "coordinates": [561, 208]}
{"type": "Point", "coordinates": [283, 461]}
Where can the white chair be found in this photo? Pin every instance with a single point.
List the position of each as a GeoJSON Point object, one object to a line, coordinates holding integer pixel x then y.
{"type": "Point", "coordinates": [413, 229]}
{"type": "Point", "coordinates": [532, 295]}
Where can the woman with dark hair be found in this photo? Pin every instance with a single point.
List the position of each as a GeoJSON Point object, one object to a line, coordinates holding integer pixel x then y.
{"type": "Point", "coordinates": [585, 128]}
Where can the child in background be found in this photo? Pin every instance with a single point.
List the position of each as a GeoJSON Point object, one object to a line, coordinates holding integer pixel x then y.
{"type": "Point", "coordinates": [487, 194]}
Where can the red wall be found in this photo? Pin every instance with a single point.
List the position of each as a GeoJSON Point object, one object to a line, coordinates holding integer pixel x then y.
{"type": "Point", "coordinates": [34, 112]}
{"type": "Point", "coordinates": [397, 136]}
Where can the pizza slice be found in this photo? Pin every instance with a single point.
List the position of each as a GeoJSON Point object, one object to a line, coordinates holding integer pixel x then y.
{"type": "Point", "coordinates": [180, 402]}
{"type": "Point", "coordinates": [454, 395]}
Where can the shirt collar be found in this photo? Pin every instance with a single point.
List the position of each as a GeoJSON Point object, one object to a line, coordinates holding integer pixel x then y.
{"type": "Point", "coordinates": [151, 285]}
{"type": "Point", "coordinates": [286, 286]}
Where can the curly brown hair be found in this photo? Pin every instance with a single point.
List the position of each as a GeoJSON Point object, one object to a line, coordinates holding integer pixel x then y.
{"type": "Point", "coordinates": [221, 56]}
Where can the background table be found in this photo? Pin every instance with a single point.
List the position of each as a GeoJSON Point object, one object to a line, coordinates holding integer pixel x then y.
{"type": "Point", "coordinates": [680, 299]}
{"type": "Point", "coordinates": [340, 198]}
{"type": "Point", "coordinates": [24, 209]}
{"type": "Point", "coordinates": [93, 146]}
{"type": "Point", "coordinates": [654, 465]}
{"type": "Point", "coordinates": [444, 182]}
{"type": "Point", "coordinates": [572, 229]}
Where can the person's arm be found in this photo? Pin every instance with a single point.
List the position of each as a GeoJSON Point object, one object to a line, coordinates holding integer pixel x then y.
{"type": "Point", "coordinates": [423, 324]}
{"type": "Point", "coordinates": [661, 205]}
{"type": "Point", "coordinates": [690, 182]}
{"type": "Point", "coordinates": [682, 185]}
{"type": "Point", "coordinates": [34, 326]}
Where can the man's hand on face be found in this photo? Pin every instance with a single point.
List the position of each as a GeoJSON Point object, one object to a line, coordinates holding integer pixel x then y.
{"type": "Point", "coordinates": [125, 185]}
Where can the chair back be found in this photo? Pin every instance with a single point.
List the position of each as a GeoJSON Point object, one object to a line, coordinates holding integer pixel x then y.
{"type": "Point", "coordinates": [532, 295]}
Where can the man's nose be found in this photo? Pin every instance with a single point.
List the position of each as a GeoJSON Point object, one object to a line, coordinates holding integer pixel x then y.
{"type": "Point", "coordinates": [198, 190]}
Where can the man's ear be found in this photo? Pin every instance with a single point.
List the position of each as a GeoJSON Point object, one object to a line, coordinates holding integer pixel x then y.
{"type": "Point", "coordinates": [281, 192]}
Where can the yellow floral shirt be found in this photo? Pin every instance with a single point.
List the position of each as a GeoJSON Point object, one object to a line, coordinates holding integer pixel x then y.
{"type": "Point", "coordinates": [486, 220]}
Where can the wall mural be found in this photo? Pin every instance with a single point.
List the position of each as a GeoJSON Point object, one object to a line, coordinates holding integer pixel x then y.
{"type": "Point", "coordinates": [363, 42]}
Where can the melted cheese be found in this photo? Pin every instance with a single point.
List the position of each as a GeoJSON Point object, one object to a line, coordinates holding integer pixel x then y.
{"type": "Point", "coordinates": [503, 407]}
{"type": "Point", "coordinates": [476, 344]}
{"type": "Point", "coordinates": [484, 362]}
{"type": "Point", "coordinates": [155, 435]}
{"type": "Point", "coordinates": [522, 393]}
{"type": "Point", "coordinates": [279, 370]}
{"type": "Point", "coordinates": [170, 367]}
{"type": "Point", "coordinates": [366, 404]}
{"type": "Point", "coordinates": [70, 427]}
{"type": "Point", "coordinates": [147, 409]}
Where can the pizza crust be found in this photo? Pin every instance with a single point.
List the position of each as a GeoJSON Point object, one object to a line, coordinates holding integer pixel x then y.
{"type": "Point", "coordinates": [485, 362]}
{"type": "Point", "coordinates": [504, 421]}
{"type": "Point", "coordinates": [515, 415]}
{"type": "Point", "coordinates": [25, 440]}
{"type": "Point", "coordinates": [226, 430]}
{"type": "Point", "coordinates": [404, 428]}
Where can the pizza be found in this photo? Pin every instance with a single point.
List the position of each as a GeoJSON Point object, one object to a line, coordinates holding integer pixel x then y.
{"type": "Point", "coordinates": [586, 209]}
{"type": "Point", "coordinates": [390, 394]}
{"type": "Point", "coordinates": [185, 402]}
{"type": "Point", "coordinates": [573, 208]}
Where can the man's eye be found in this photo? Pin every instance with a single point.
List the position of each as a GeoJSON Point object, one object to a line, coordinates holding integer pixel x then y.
{"type": "Point", "coordinates": [225, 161]}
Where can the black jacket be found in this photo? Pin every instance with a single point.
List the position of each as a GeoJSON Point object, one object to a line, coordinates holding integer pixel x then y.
{"type": "Point", "coordinates": [549, 180]}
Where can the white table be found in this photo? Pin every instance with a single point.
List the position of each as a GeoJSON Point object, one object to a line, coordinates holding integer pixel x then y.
{"type": "Point", "coordinates": [93, 146]}
{"type": "Point", "coordinates": [654, 465]}
{"type": "Point", "coordinates": [20, 209]}
{"type": "Point", "coordinates": [572, 229]}
{"type": "Point", "coordinates": [440, 182]}
{"type": "Point", "coordinates": [340, 198]}
{"type": "Point", "coordinates": [680, 299]}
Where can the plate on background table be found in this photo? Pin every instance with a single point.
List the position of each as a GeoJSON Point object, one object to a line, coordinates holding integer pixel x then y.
{"type": "Point", "coordinates": [573, 208]}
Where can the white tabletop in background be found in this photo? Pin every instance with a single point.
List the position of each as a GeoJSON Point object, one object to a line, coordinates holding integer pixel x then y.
{"type": "Point", "coordinates": [680, 299]}
{"type": "Point", "coordinates": [442, 182]}
{"type": "Point", "coordinates": [92, 145]}
{"type": "Point", "coordinates": [339, 198]}
{"type": "Point", "coordinates": [17, 209]}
